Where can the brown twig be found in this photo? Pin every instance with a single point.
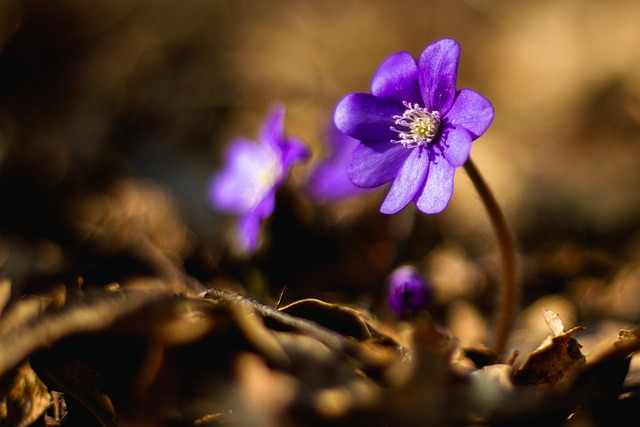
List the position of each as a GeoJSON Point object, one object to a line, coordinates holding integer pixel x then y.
{"type": "Point", "coordinates": [168, 268]}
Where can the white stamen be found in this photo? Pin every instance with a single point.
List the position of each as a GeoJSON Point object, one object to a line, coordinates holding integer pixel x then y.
{"type": "Point", "coordinates": [418, 126]}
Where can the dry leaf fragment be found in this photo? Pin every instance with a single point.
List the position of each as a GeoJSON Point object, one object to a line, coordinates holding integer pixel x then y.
{"type": "Point", "coordinates": [608, 369]}
{"type": "Point", "coordinates": [490, 385]}
{"type": "Point", "coordinates": [23, 397]}
{"type": "Point", "coordinates": [553, 320]}
{"type": "Point", "coordinates": [556, 357]}
{"type": "Point", "coordinates": [5, 294]}
{"type": "Point", "coordinates": [337, 317]}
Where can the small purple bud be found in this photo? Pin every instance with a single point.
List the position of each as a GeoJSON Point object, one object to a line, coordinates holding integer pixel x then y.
{"type": "Point", "coordinates": [408, 290]}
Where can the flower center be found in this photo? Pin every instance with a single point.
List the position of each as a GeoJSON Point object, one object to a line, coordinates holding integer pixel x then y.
{"type": "Point", "coordinates": [267, 176]}
{"type": "Point", "coordinates": [262, 173]}
{"type": "Point", "coordinates": [417, 126]}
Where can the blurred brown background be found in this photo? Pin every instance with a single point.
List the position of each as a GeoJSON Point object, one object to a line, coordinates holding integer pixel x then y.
{"type": "Point", "coordinates": [93, 93]}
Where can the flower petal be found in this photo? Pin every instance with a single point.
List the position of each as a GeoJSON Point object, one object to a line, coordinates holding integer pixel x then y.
{"type": "Point", "coordinates": [438, 72]}
{"type": "Point", "coordinates": [366, 117]}
{"type": "Point", "coordinates": [397, 79]}
{"type": "Point", "coordinates": [328, 184]}
{"type": "Point", "coordinates": [241, 184]}
{"type": "Point", "coordinates": [457, 145]}
{"type": "Point", "coordinates": [438, 188]}
{"type": "Point", "coordinates": [248, 232]}
{"type": "Point", "coordinates": [471, 111]}
{"type": "Point", "coordinates": [408, 182]}
{"type": "Point", "coordinates": [329, 180]}
{"type": "Point", "coordinates": [376, 163]}
{"type": "Point", "coordinates": [293, 151]}
{"type": "Point", "coordinates": [272, 130]}
{"type": "Point", "coordinates": [248, 226]}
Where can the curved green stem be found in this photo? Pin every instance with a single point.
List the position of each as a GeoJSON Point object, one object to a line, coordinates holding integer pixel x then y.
{"type": "Point", "coordinates": [506, 246]}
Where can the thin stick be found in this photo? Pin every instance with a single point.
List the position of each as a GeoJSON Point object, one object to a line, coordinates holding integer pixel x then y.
{"type": "Point", "coordinates": [169, 269]}
{"type": "Point", "coordinates": [506, 246]}
{"type": "Point", "coordinates": [333, 340]}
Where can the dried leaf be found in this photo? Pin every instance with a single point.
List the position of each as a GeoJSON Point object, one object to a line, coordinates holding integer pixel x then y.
{"type": "Point", "coordinates": [23, 397]}
{"type": "Point", "coordinates": [5, 294]}
{"type": "Point", "coordinates": [555, 323]}
{"type": "Point", "coordinates": [131, 210]}
{"type": "Point", "coordinates": [336, 317]}
{"type": "Point", "coordinates": [551, 363]}
{"type": "Point", "coordinates": [91, 312]}
{"type": "Point", "coordinates": [490, 385]}
{"type": "Point", "coordinates": [262, 394]}
{"type": "Point", "coordinates": [608, 368]}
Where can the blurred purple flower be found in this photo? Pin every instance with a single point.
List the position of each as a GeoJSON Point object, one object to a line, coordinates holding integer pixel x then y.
{"type": "Point", "coordinates": [252, 173]}
{"type": "Point", "coordinates": [415, 128]}
{"type": "Point", "coordinates": [329, 180]}
{"type": "Point", "coordinates": [408, 290]}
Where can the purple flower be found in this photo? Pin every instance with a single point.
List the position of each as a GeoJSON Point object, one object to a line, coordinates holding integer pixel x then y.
{"type": "Point", "coordinates": [415, 128]}
{"type": "Point", "coordinates": [408, 291]}
{"type": "Point", "coordinates": [329, 180]}
{"type": "Point", "coordinates": [252, 173]}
